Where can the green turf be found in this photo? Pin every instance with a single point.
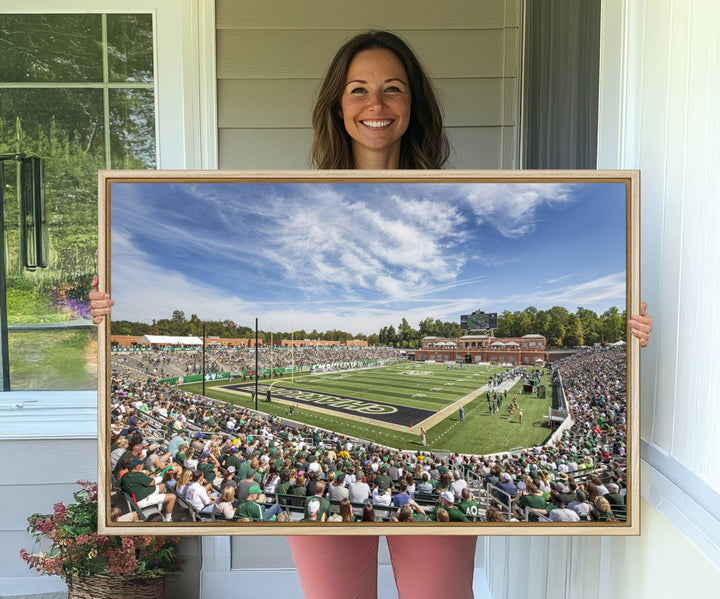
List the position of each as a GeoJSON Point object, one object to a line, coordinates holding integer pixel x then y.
{"type": "Point", "coordinates": [439, 387]}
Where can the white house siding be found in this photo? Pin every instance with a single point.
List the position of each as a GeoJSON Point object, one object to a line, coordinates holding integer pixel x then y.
{"type": "Point", "coordinates": [271, 57]}
{"type": "Point", "coordinates": [39, 467]}
{"type": "Point", "coordinates": [659, 84]}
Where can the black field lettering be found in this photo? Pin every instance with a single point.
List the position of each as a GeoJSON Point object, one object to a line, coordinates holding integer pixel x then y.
{"type": "Point", "coordinates": [377, 410]}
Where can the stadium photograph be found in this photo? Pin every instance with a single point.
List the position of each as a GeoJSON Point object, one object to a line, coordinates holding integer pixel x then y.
{"type": "Point", "coordinates": [367, 352]}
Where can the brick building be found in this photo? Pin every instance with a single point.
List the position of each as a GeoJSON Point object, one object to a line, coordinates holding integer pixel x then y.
{"type": "Point", "coordinates": [471, 349]}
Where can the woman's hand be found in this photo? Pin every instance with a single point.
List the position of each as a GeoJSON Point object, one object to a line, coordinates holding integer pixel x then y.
{"type": "Point", "coordinates": [100, 302]}
{"type": "Point", "coordinates": [641, 325]}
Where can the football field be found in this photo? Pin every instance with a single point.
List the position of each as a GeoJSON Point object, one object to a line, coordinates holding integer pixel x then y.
{"type": "Point", "coordinates": [389, 404]}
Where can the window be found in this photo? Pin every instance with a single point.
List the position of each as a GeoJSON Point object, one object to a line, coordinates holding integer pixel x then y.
{"type": "Point", "coordinates": [78, 91]}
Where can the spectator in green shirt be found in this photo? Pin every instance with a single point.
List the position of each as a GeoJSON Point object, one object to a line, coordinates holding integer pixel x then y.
{"type": "Point", "coordinates": [254, 507]}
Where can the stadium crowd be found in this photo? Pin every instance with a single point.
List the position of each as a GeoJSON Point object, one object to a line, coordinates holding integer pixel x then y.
{"type": "Point", "coordinates": [166, 363]}
{"type": "Point", "coordinates": [201, 459]}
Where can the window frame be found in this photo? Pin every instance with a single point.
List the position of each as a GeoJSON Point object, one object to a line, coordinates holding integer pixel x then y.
{"type": "Point", "coordinates": [186, 138]}
{"type": "Point", "coordinates": [181, 29]}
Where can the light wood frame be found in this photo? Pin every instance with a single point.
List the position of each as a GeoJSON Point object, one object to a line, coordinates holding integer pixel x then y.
{"type": "Point", "coordinates": [631, 179]}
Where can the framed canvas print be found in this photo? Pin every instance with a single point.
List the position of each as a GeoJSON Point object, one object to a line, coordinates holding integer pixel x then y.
{"type": "Point", "coordinates": [366, 352]}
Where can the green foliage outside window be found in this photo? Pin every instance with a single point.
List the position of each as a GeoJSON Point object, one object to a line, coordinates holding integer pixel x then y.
{"type": "Point", "coordinates": [76, 90]}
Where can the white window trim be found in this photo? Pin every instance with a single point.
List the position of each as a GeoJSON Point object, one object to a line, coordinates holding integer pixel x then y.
{"type": "Point", "coordinates": [186, 129]}
{"type": "Point", "coordinates": [683, 498]}
{"type": "Point", "coordinates": [185, 76]}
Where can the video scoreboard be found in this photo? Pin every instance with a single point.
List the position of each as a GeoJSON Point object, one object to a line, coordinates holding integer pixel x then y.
{"type": "Point", "coordinates": [478, 321]}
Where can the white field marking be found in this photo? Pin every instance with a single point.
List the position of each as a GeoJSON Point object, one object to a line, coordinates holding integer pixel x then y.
{"type": "Point", "coordinates": [418, 395]}
{"type": "Point", "coordinates": [439, 416]}
{"type": "Point", "coordinates": [449, 384]}
{"type": "Point", "coordinates": [441, 435]}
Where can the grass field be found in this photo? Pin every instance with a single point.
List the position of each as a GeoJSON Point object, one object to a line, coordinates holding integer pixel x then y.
{"type": "Point", "coordinates": [427, 386]}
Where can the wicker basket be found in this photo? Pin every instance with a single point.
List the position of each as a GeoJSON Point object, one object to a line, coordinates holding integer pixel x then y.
{"type": "Point", "coordinates": [116, 587]}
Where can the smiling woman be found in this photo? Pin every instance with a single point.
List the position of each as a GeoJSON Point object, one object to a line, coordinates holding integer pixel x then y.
{"type": "Point", "coordinates": [372, 82]}
{"type": "Point", "coordinates": [375, 108]}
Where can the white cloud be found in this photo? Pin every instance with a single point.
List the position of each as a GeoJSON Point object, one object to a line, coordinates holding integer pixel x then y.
{"type": "Point", "coordinates": [142, 289]}
{"type": "Point", "coordinates": [512, 207]}
{"type": "Point", "coordinates": [558, 279]}
{"type": "Point", "coordinates": [604, 291]}
{"type": "Point", "coordinates": [389, 248]}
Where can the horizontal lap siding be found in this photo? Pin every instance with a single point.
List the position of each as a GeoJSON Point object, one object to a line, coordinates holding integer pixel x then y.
{"type": "Point", "coordinates": [306, 54]}
{"type": "Point", "coordinates": [271, 60]}
{"type": "Point", "coordinates": [35, 475]}
{"type": "Point", "coordinates": [344, 14]}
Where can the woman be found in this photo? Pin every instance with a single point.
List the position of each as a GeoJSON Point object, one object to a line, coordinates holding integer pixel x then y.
{"type": "Point", "coordinates": [363, 119]}
{"type": "Point", "coordinates": [405, 514]}
{"type": "Point", "coordinates": [602, 512]}
{"type": "Point", "coordinates": [346, 513]}
{"type": "Point", "coordinates": [377, 110]}
{"type": "Point", "coordinates": [116, 454]}
{"type": "Point", "coordinates": [270, 479]}
{"type": "Point", "coordinates": [228, 479]}
{"type": "Point", "coordinates": [285, 486]}
{"type": "Point", "coordinates": [224, 506]}
{"type": "Point", "coordinates": [123, 466]}
{"type": "Point", "coordinates": [196, 494]}
{"type": "Point", "coordinates": [299, 489]}
{"type": "Point", "coordinates": [183, 481]}
{"type": "Point", "coordinates": [368, 515]}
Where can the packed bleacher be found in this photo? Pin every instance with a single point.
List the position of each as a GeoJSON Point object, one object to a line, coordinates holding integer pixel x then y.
{"type": "Point", "coordinates": [178, 456]}
{"type": "Point", "coordinates": [168, 363]}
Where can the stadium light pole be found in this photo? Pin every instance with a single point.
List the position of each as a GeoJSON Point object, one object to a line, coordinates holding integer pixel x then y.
{"type": "Point", "coordinates": [203, 364]}
{"type": "Point", "coordinates": [256, 364]}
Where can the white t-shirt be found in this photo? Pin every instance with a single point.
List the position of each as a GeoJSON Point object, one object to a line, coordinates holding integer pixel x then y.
{"type": "Point", "coordinates": [197, 496]}
{"type": "Point", "coordinates": [381, 498]}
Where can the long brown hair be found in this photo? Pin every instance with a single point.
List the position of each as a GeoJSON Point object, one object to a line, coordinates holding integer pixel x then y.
{"type": "Point", "coordinates": [424, 144]}
{"type": "Point", "coordinates": [346, 510]}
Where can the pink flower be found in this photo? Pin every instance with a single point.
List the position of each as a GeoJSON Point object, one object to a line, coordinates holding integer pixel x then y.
{"type": "Point", "coordinates": [144, 541]}
{"type": "Point", "coordinates": [24, 555]}
{"type": "Point", "coordinates": [121, 562]}
{"type": "Point", "coordinates": [43, 526]}
{"type": "Point", "coordinates": [128, 543]}
{"type": "Point", "coordinates": [59, 512]}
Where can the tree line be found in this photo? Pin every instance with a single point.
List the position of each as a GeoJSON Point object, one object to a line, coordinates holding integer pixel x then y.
{"type": "Point", "coordinates": [558, 325]}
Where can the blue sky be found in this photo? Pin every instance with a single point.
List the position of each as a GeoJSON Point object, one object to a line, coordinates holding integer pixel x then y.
{"type": "Point", "coordinates": [359, 256]}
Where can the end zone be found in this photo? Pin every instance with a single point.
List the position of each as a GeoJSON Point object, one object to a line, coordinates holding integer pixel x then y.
{"type": "Point", "coordinates": [397, 417]}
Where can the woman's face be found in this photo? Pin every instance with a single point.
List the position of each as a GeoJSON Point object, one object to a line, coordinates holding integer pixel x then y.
{"type": "Point", "coordinates": [375, 106]}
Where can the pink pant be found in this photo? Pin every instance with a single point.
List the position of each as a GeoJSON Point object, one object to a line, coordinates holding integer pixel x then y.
{"type": "Point", "coordinates": [346, 567]}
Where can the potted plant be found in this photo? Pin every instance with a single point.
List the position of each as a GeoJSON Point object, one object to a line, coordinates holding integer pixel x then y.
{"type": "Point", "coordinates": [94, 566]}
